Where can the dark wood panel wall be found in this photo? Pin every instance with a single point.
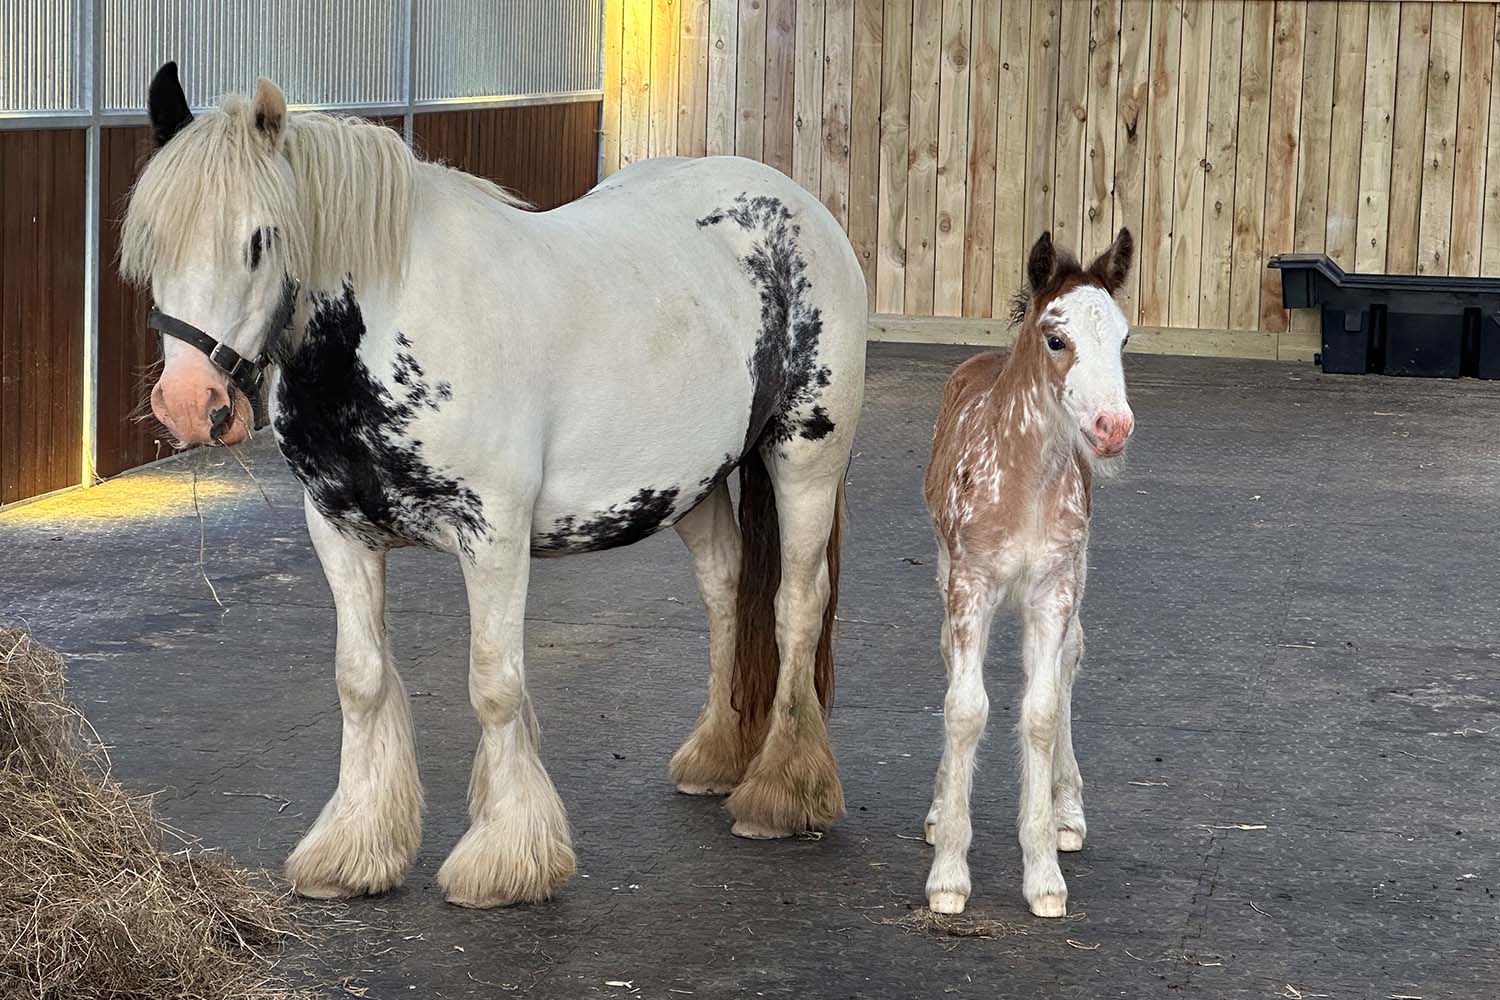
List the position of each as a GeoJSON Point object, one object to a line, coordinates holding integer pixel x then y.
{"type": "Point", "coordinates": [546, 153]}
{"type": "Point", "coordinates": [42, 208]}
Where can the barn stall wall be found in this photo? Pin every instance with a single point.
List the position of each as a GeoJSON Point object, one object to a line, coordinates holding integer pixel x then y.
{"type": "Point", "coordinates": [512, 103]}
{"type": "Point", "coordinates": [947, 134]}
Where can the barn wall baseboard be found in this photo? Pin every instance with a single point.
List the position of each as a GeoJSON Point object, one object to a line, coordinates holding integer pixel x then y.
{"type": "Point", "coordinates": [1290, 346]}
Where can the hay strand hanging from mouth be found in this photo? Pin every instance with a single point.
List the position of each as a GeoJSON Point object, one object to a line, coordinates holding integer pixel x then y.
{"type": "Point", "coordinates": [97, 898]}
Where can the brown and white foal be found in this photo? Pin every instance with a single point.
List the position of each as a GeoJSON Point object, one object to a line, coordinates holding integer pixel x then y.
{"type": "Point", "coordinates": [1008, 489]}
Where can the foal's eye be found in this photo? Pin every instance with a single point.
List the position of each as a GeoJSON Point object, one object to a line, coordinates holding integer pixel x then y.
{"type": "Point", "coordinates": [1124, 342]}
{"type": "Point", "coordinates": [1055, 342]}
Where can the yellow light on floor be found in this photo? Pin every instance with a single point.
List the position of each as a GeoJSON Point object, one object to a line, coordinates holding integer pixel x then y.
{"type": "Point", "coordinates": [134, 497]}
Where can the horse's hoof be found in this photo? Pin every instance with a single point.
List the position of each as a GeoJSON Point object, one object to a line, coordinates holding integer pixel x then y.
{"type": "Point", "coordinates": [929, 833]}
{"type": "Point", "coordinates": [1069, 841]}
{"type": "Point", "coordinates": [1050, 906]}
{"type": "Point", "coordinates": [712, 788]}
{"type": "Point", "coordinates": [951, 903]}
{"type": "Point", "coordinates": [754, 831]}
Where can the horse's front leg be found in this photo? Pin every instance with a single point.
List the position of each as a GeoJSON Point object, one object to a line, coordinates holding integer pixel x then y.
{"type": "Point", "coordinates": [368, 833]}
{"type": "Point", "coordinates": [517, 847]}
{"type": "Point", "coordinates": [1067, 783]}
{"type": "Point", "coordinates": [1045, 616]}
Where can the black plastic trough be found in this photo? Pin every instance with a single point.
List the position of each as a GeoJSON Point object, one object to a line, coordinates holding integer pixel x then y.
{"type": "Point", "coordinates": [1397, 324]}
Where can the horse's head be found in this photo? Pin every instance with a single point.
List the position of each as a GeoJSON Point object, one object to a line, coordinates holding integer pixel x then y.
{"type": "Point", "coordinates": [1070, 319]}
{"type": "Point", "coordinates": [207, 227]}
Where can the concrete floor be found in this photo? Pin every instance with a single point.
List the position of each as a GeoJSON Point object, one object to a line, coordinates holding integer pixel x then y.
{"type": "Point", "coordinates": [1288, 720]}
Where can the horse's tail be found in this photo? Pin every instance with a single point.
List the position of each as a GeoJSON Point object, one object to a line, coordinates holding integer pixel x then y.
{"type": "Point", "coordinates": [756, 659]}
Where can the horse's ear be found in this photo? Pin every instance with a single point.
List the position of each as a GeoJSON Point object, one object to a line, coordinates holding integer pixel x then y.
{"type": "Point", "coordinates": [1040, 262]}
{"type": "Point", "coordinates": [269, 108]}
{"type": "Point", "coordinates": [167, 105]}
{"type": "Point", "coordinates": [1113, 265]}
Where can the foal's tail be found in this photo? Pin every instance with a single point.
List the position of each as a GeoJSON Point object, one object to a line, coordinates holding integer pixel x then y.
{"type": "Point", "coordinates": [756, 658]}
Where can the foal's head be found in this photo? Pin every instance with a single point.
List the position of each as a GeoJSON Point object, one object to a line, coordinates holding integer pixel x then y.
{"type": "Point", "coordinates": [1072, 329]}
{"type": "Point", "coordinates": [237, 206]}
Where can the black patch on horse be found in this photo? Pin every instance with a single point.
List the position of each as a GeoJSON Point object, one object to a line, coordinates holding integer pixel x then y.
{"type": "Point", "coordinates": [784, 367]}
{"type": "Point", "coordinates": [621, 524]}
{"type": "Point", "coordinates": [345, 435]}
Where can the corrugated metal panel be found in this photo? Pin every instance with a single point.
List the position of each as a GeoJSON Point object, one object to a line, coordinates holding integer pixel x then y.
{"type": "Point", "coordinates": [41, 46]}
{"type": "Point", "coordinates": [480, 48]}
{"type": "Point", "coordinates": [347, 53]}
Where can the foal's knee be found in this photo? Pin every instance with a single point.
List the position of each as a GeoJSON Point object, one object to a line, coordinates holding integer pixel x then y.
{"type": "Point", "coordinates": [965, 714]}
{"type": "Point", "coordinates": [1039, 724]}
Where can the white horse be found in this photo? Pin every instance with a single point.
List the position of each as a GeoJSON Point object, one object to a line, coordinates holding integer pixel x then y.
{"type": "Point", "coordinates": [1013, 456]}
{"type": "Point", "coordinates": [463, 374]}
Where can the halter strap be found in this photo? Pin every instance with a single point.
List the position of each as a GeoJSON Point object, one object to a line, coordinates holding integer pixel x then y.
{"type": "Point", "coordinates": [247, 374]}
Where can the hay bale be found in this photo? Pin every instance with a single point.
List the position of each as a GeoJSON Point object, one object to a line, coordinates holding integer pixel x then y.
{"type": "Point", "coordinates": [97, 898]}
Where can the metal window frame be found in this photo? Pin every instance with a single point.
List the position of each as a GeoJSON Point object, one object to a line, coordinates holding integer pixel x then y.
{"type": "Point", "coordinates": [93, 121]}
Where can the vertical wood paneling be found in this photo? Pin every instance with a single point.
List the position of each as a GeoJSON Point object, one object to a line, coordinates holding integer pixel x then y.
{"type": "Point", "coordinates": [1072, 123]}
{"type": "Point", "coordinates": [692, 80]}
{"type": "Point", "coordinates": [895, 142]}
{"type": "Point", "coordinates": [946, 135]}
{"type": "Point", "coordinates": [1340, 229]}
{"type": "Point", "coordinates": [781, 39]}
{"type": "Point", "coordinates": [1377, 137]}
{"type": "Point", "coordinates": [1192, 153]}
{"type": "Point", "coordinates": [1154, 259]}
{"type": "Point", "coordinates": [807, 94]}
{"type": "Point", "coordinates": [1130, 137]}
{"type": "Point", "coordinates": [1250, 166]}
{"type": "Point", "coordinates": [750, 66]}
{"type": "Point", "coordinates": [1011, 239]}
{"type": "Point", "coordinates": [723, 54]}
{"type": "Point", "coordinates": [922, 144]}
{"type": "Point", "coordinates": [1440, 136]}
{"type": "Point", "coordinates": [953, 154]}
{"type": "Point", "coordinates": [1218, 183]}
{"type": "Point", "coordinates": [1473, 135]}
{"type": "Point", "coordinates": [1310, 223]}
{"type": "Point", "coordinates": [662, 90]}
{"type": "Point", "coordinates": [1041, 116]}
{"type": "Point", "coordinates": [984, 121]}
{"type": "Point", "coordinates": [838, 81]}
{"type": "Point", "coordinates": [1099, 157]}
{"type": "Point", "coordinates": [41, 311]}
{"type": "Point", "coordinates": [864, 139]}
{"type": "Point", "coordinates": [1407, 138]}
{"type": "Point", "coordinates": [1282, 155]}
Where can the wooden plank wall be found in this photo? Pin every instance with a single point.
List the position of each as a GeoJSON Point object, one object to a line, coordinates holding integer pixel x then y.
{"type": "Point", "coordinates": [546, 153]}
{"type": "Point", "coordinates": [42, 203]}
{"type": "Point", "coordinates": [947, 134]}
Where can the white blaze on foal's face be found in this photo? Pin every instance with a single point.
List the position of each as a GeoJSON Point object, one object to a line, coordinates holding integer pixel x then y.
{"type": "Point", "coordinates": [1087, 323]}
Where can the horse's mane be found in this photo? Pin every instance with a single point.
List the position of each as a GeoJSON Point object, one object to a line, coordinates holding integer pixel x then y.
{"type": "Point", "coordinates": [347, 211]}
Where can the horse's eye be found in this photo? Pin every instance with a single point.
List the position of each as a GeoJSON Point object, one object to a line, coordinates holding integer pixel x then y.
{"type": "Point", "coordinates": [1124, 342]}
{"type": "Point", "coordinates": [1055, 342]}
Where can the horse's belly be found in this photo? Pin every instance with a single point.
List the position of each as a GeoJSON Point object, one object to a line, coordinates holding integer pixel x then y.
{"type": "Point", "coordinates": [618, 508]}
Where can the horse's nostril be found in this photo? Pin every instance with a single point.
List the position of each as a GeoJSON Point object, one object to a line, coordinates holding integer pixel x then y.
{"type": "Point", "coordinates": [220, 418]}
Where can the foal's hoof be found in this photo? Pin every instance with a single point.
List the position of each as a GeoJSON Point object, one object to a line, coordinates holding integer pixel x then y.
{"type": "Point", "coordinates": [1050, 906]}
{"type": "Point", "coordinates": [1069, 841]}
{"type": "Point", "coordinates": [929, 832]}
{"type": "Point", "coordinates": [951, 903]}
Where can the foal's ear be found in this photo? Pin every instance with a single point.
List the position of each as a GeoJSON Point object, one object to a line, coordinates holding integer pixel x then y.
{"type": "Point", "coordinates": [1040, 262]}
{"type": "Point", "coordinates": [269, 109]}
{"type": "Point", "coordinates": [1113, 265]}
{"type": "Point", "coordinates": [167, 105]}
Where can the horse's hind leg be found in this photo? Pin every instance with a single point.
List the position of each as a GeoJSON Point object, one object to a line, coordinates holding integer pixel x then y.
{"type": "Point", "coordinates": [792, 784]}
{"type": "Point", "coordinates": [368, 833]}
{"type": "Point", "coordinates": [713, 759]}
{"type": "Point", "coordinates": [517, 847]}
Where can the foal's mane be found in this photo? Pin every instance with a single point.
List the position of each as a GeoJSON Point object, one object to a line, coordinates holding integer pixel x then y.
{"type": "Point", "coordinates": [346, 211]}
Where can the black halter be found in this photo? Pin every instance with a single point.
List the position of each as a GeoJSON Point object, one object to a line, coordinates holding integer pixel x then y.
{"type": "Point", "coordinates": [248, 375]}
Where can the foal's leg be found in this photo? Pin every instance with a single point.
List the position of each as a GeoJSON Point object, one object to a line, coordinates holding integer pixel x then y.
{"type": "Point", "coordinates": [1045, 618]}
{"type": "Point", "coordinates": [713, 759]}
{"type": "Point", "coordinates": [368, 833]}
{"type": "Point", "coordinates": [517, 847]}
{"type": "Point", "coordinates": [1067, 783]}
{"type": "Point", "coordinates": [945, 643]}
{"type": "Point", "coordinates": [792, 784]}
{"type": "Point", "coordinates": [966, 630]}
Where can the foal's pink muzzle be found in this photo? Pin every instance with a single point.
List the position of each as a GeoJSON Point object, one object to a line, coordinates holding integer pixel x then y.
{"type": "Point", "coordinates": [193, 399]}
{"type": "Point", "coordinates": [1108, 433]}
